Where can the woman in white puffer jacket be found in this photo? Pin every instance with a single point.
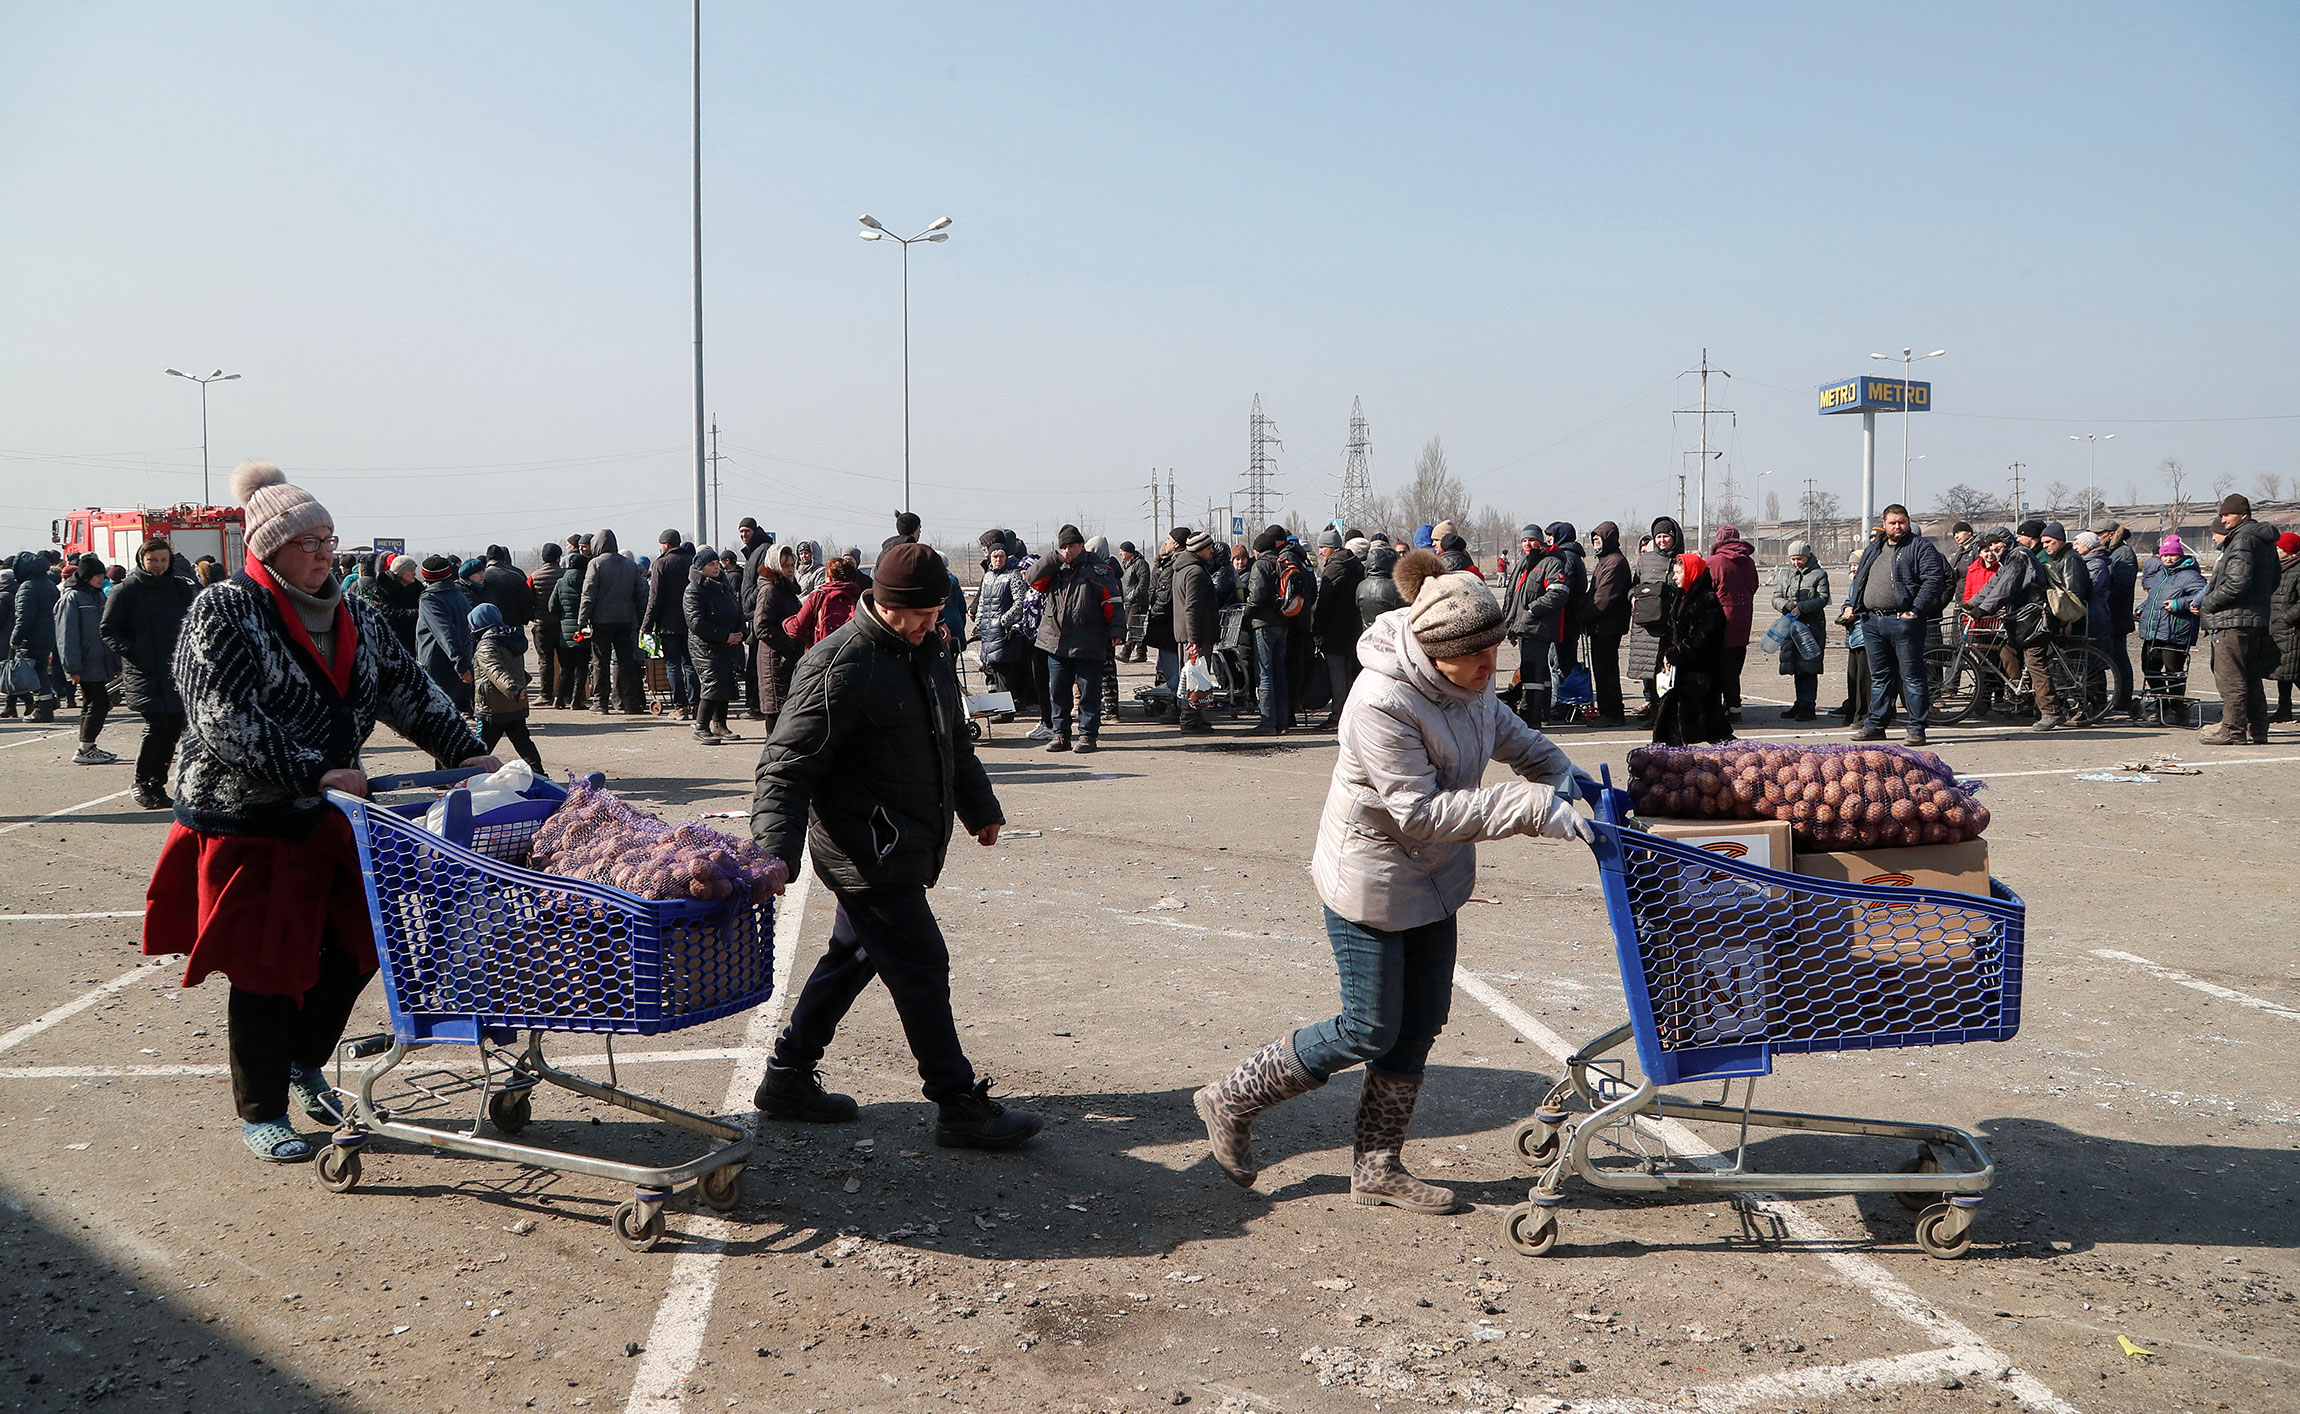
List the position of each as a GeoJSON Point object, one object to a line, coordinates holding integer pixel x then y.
{"type": "Point", "coordinates": [1396, 859]}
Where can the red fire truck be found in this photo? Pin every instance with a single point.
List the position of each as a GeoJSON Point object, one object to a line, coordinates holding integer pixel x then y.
{"type": "Point", "coordinates": [193, 531]}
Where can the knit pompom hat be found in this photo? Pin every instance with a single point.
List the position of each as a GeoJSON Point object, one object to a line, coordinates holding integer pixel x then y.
{"type": "Point", "coordinates": [276, 511]}
{"type": "Point", "coordinates": [1453, 615]}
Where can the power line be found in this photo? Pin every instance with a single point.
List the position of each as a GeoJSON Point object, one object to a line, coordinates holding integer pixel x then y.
{"type": "Point", "coordinates": [1262, 435]}
{"type": "Point", "coordinates": [1357, 500]}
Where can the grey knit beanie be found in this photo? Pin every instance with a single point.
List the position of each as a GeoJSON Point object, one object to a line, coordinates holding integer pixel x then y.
{"type": "Point", "coordinates": [1454, 615]}
{"type": "Point", "coordinates": [276, 511]}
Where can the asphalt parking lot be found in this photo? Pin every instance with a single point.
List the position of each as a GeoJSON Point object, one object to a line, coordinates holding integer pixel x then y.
{"type": "Point", "coordinates": [1147, 921]}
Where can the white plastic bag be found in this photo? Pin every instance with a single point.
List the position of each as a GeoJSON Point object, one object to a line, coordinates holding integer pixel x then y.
{"type": "Point", "coordinates": [1665, 679]}
{"type": "Point", "coordinates": [507, 786]}
{"type": "Point", "coordinates": [1196, 676]}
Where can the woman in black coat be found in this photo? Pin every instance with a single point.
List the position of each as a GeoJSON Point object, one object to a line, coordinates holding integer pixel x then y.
{"type": "Point", "coordinates": [142, 620]}
{"type": "Point", "coordinates": [715, 643]}
{"type": "Point", "coordinates": [1693, 710]}
{"type": "Point", "coordinates": [1652, 592]}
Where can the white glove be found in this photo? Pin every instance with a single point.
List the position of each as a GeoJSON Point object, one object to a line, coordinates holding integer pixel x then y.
{"type": "Point", "coordinates": [1563, 822]}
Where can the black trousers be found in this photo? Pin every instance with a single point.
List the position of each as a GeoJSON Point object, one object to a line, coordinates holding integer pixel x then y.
{"type": "Point", "coordinates": [617, 669]}
{"type": "Point", "coordinates": [546, 661]}
{"type": "Point", "coordinates": [1605, 674]}
{"type": "Point", "coordinates": [157, 756]}
{"type": "Point", "coordinates": [751, 676]}
{"type": "Point", "coordinates": [494, 727]}
{"type": "Point", "coordinates": [1735, 658]}
{"type": "Point", "coordinates": [889, 934]}
{"type": "Point", "coordinates": [1341, 671]}
{"type": "Point", "coordinates": [573, 688]}
{"type": "Point", "coordinates": [268, 1034]}
{"type": "Point", "coordinates": [95, 705]}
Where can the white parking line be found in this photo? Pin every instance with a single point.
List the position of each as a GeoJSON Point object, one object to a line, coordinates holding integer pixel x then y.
{"type": "Point", "coordinates": [27, 741]}
{"type": "Point", "coordinates": [2226, 994]}
{"type": "Point", "coordinates": [676, 1338]}
{"type": "Point", "coordinates": [67, 810]}
{"type": "Point", "coordinates": [1863, 1271]}
{"type": "Point", "coordinates": [1814, 1382]}
{"type": "Point", "coordinates": [79, 1004]}
{"type": "Point", "coordinates": [60, 917]}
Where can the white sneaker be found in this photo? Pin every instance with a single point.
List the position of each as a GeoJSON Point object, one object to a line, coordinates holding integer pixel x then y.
{"type": "Point", "coordinates": [93, 755]}
{"type": "Point", "coordinates": [1041, 732]}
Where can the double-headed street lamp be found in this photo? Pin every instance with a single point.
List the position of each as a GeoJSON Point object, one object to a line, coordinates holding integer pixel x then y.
{"type": "Point", "coordinates": [873, 231]}
{"type": "Point", "coordinates": [2092, 477]}
{"type": "Point", "coordinates": [219, 376]}
{"type": "Point", "coordinates": [1908, 361]}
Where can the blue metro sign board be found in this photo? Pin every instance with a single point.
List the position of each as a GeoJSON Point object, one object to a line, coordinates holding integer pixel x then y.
{"type": "Point", "coordinates": [1865, 394]}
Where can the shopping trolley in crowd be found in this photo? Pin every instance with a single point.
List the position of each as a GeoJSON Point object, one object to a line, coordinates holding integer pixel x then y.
{"type": "Point", "coordinates": [1725, 966]}
{"type": "Point", "coordinates": [475, 948]}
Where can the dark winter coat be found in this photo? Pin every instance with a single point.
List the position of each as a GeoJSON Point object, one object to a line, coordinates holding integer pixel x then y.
{"type": "Point", "coordinates": [778, 652]}
{"type": "Point", "coordinates": [667, 591]}
{"type": "Point", "coordinates": [1733, 567]}
{"type": "Point", "coordinates": [499, 672]}
{"type": "Point", "coordinates": [1262, 585]}
{"type": "Point", "coordinates": [400, 604]}
{"type": "Point", "coordinates": [1197, 613]}
{"type": "Point", "coordinates": [1159, 631]}
{"type": "Point", "coordinates": [2096, 619]}
{"type": "Point", "coordinates": [1334, 618]}
{"type": "Point", "coordinates": [1081, 615]}
{"type": "Point", "coordinates": [1920, 575]}
{"type": "Point", "coordinates": [994, 608]}
{"type": "Point", "coordinates": [80, 644]}
{"type": "Point", "coordinates": [823, 612]}
{"type": "Point", "coordinates": [2018, 583]}
{"type": "Point", "coordinates": [2244, 580]}
{"type": "Point", "coordinates": [2180, 582]}
{"type": "Point", "coordinates": [546, 582]}
{"type": "Point", "coordinates": [2284, 621]}
{"type": "Point", "coordinates": [869, 762]}
{"type": "Point", "coordinates": [1805, 594]}
{"type": "Point", "coordinates": [443, 633]}
{"type": "Point", "coordinates": [1658, 569]}
{"type": "Point", "coordinates": [747, 588]}
{"type": "Point", "coordinates": [614, 589]}
{"type": "Point", "coordinates": [1693, 710]}
{"type": "Point", "coordinates": [1608, 586]}
{"type": "Point", "coordinates": [142, 620]}
{"type": "Point", "coordinates": [2068, 570]}
{"type": "Point", "coordinates": [1135, 579]}
{"type": "Point", "coordinates": [1538, 596]}
{"type": "Point", "coordinates": [567, 598]}
{"type": "Point", "coordinates": [265, 719]}
{"type": "Point", "coordinates": [1378, 593]}
{"type": "Point", "coordinates": [508, 590]}
{"type": "Point", "coordinates": [36, 596]}
{"type": "Point", "coordinates": [711, 614]}
{"type": "Point", "coordinates": [2123, 580]}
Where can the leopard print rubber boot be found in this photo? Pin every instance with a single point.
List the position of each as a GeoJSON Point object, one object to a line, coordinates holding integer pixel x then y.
{"type": "Point", "coordinates": [1377, 1168]}
{"type": "Point", "coordinates": [1270, 1076]}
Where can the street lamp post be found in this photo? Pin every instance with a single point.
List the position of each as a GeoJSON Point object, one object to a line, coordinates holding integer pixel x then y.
{"type": "Point", "coordinates": [219, 376]}
{"type": "Point", "coordinates": [873, 231]}
{"type": "Point", "coordinates": [2092, 475]}
{"type": "Point", "coordinates": [1908, 362]}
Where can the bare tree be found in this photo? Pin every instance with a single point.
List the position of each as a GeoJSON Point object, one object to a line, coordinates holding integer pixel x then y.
{"type": "Point", "coordinates": [1436, 493]}
{"type": "Point", "coordinates": [2269, 487]}
{"type": "Point", "coordinates": [2222, 485]}
{"type": "Point", "coordinates": [1773, 506]}
{"type": "Point", "coordinates": [2132, 493]}
{"type": "Point", "coordinates": [2176, 477]}
{"type": "Point", "coordinates": [2059, 496]}
{"type": "Point", "coordinates": [1967, 502]}
{"type": "Point", "coordinates": [1492, 532]}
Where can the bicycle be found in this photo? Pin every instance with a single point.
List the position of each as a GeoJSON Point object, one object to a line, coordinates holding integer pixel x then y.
{"type": "Point", "coordinates": [1973, 672]}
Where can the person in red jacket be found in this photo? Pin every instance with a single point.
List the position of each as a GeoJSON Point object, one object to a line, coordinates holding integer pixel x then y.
{"type": "Point", "coordinates": [1733, 566]}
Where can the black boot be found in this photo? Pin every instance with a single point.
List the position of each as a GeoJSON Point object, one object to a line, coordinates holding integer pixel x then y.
{"type": "Point", "coordinates": [151, 796]}
{"type": "Point", "coordinates": [976, 1121]}
{"type": "Point", "coordinates": [791, 1093]}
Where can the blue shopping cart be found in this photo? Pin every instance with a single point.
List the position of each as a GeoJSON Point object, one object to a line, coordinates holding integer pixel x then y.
{"type": "Point", "coordinates": [476, 948]}
{"type": "Point", "coordinates": [1726, 965]}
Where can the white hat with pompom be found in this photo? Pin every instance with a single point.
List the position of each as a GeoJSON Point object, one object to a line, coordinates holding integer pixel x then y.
{"type": "Point", "coordinates": [277, 511]}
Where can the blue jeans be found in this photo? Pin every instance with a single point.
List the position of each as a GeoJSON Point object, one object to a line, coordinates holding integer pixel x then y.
{"type": "Point", "coordinates": [1170, 669]}
{"type": "Point", "coordinates": [678, 669]}
{"type": "Point", "coordinates": [1397, 990]}
{"type": "Point", "coordinates": [1270, 672]}
{"type": "Point", "coordinates": [1087, 674]}
{"type": "Point", "coordinates": [1896, 648]}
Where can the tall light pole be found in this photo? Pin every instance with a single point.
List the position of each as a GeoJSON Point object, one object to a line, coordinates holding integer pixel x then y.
{"type": "Point", "coordinates": [2092, 476]}
{"type": "Point", "coordinates": [700, 455]}
{"type": "Point", "coordinates": [873, 231]}
{"type": "Point", "coordinates": [1908, 362]}
{"type": "Point", "coordinates": [219, 376]}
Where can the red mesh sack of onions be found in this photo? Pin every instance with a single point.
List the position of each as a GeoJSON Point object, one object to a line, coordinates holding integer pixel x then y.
{"type": "Point", "coordinates": [1833, 797]}
{"type": "Point", "coordinates": [596, 837]}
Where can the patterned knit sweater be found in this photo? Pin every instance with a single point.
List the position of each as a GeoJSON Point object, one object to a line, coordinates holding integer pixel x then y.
{"type": "Point", "coordinates": [265, 721]}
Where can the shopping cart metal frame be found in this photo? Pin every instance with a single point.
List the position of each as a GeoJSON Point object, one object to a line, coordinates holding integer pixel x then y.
{"type": "Point", "coordinates": [506, 1103]}
{"type": "Point", "coordinates": [1943, 1182]}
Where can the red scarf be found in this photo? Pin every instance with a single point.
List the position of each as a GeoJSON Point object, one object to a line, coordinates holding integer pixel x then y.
{"type": "Point", "coordinates": [337, 673]}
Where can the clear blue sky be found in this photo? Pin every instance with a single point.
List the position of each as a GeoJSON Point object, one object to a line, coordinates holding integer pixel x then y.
{"type": "Point", "coordinates": [446, 245]}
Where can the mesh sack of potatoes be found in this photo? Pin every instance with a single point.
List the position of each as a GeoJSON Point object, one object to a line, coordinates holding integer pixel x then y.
{"type": "Point", "coordinates": [1847, 797]}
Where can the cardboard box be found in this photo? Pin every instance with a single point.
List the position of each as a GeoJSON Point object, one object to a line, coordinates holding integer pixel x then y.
{"type": "Point", "coordinates": [1962, 868]}
{"type": "Point", "coordinates": [1765, 843]}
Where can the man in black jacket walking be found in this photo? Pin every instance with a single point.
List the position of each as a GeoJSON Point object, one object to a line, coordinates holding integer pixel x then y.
{"type": "Point", "coordinates": [868, 765]}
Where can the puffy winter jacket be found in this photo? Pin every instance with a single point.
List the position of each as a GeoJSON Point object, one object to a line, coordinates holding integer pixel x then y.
{"type": "Point", "coordinates": [614, 589]}
{"type": "Point", "coordinates": [1805, 594]}
{"type": "Point", "coordinates": [499, 672]}
{"type": "Point", "coordinates": [1397, 842]}
{"type": "Point", "coordinates": [567, 598]}
{"type": "Point", "coordinates": [1378, 591]}
{"type": "Point", "coordinates": [666, 610]}
{"type": "Point", "coordinates": [443, 632]}
{"type": "Point", "coordinates": [1608, 583]}
{"type": "Point", "coordinates": [711, 613]}
{"type": "Point", "coordinates": [2096, 618]}
{"type": "Point", "coordinates": [999, 599]}
{"type": "Point", "coordinates": [869, 762]}
{"type": "Point", "coordinates": [1081, 615]}
{"type": "Point", "coordinates": [2069, 571]}
{"type": "Point", "coordinates": [142, 620]}
{"type": "Point", "coordinates": [2179, 582]}
{"type": "Point", "coordinates": [508, 590]}
{"type": "Point", "coordinates": [1135, 579]}
{"type": "Point", "coordinates": [1159, 632]}
{"type": "Point", "coordinates": [2243, 583]}
{"type": "Point", "coordinates": [2284, 620]}
{"type": "Point", "coordinates": [80, 644]}
{"type": "Point", "coordinates": [1197, 612]}
{"type": "Point", "coordinates": [1655, 574]}
{"type": "Point", "coordinates": [1537, 599]}
{"type": "Point", "coordinates": [36, 596]}
{"type": "Point", "coordinates": [1733, 568]}
{"type": "Point", "coordinates": [1334, 618]}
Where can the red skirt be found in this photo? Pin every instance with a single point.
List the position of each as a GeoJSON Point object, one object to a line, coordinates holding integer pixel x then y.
{"type": "Point", "coordinates": [258, 910]}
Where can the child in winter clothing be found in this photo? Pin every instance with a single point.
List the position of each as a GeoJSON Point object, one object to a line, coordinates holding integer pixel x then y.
{"type": "Point", "coordinates": [499, 673]}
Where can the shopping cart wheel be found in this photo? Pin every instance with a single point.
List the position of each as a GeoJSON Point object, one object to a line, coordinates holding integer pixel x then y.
{"type": "Point", "coordinates": [639, 1226]}
{"type": "Point", "coordinates": [1938, 1235]}
{"type": "Point", "coordinates": [1917, 1202]}
{"type": "Point", "coordinates": [974, 731]}
{"type": "Point", "coordinates": [509, 1110]}
{"type": "Point", "coordinates": [1532, 1231]}
{"type": "Point", "coordinates": [338, 1168]}
{"type": "Point", "coordinates": [1536, 1139]}
{"type": "Point", "coordinates": [722, 1188]}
